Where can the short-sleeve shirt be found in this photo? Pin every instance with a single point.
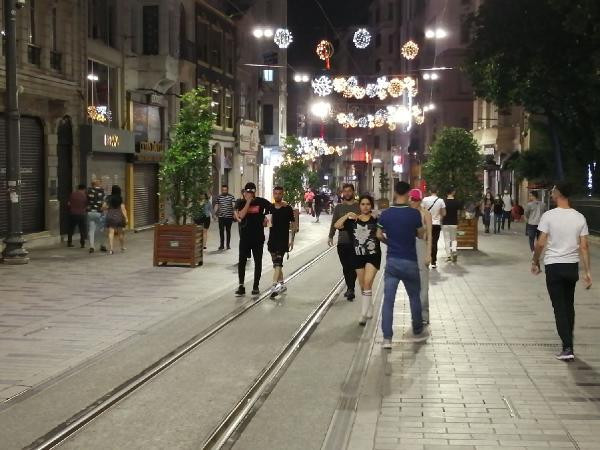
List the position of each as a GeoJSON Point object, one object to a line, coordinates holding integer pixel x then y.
{"type": "Point", "coordinates": [78, 203]}
{"type": "Point", "coordinates": [434, 205]}
{"type": "Point", "coordinates": [400, 224]}
{"type": "Point", "coordinates": [95, 199]}
{"type": "Point", "coordinates": [453, 206]}
{"type": "Point", "coordinates": [279, 233]}
{"type": "Point", "coordinates": [252, 225]}
{"type": "Point", "coordinates": [225, 202]}
{"type": "Point", "coordinates": [364, 236]}
{"type": "Point", "coordinates": [564, 227]}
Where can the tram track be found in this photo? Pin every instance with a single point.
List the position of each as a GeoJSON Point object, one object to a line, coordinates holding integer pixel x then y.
{"type": "Point", "coordinates": [70, 427]}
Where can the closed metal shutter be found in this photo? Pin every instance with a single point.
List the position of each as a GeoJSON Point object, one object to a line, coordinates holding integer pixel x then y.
{"type": "Point", "coordinates": [32, 176]}
{"type": "Point", "coordinates": [145, 195]}
{"type": "Point", "coordinates": [109, 169]}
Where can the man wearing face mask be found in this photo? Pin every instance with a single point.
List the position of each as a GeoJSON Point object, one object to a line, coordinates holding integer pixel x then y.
{"type": "Point", "coordinates": [345, 246]}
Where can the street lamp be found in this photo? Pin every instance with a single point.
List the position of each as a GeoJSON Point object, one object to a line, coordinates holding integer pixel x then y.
{"type": "Point", "coordinates": [301, 78]}
{"type": "Point", "coordinates": [321, 109]}
{"type": "Point", "coordinates": [13, 252]}
{"type": "Point", "coordinates": [438, 33]}
{"type": "Point", "coordinates": [431, 76]}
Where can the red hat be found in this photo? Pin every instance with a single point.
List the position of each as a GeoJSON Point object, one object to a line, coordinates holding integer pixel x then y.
{"type": "Point", "coordinates": [415, 195]}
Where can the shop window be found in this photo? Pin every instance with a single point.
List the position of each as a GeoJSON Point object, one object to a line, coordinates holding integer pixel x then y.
{"type": "Point", "coordinates": [228, 110]}
{"type": "Point", "coordinates": [268, 75]}
{"type": "Point", "coordinates": [101, 21]}
{"type": "Point", "coordinates": [147, 123]}
{"type": "Point", "coordinates": [216, 48]}
{"type": "Point", "coordinates": [102, 94]}
{"type": "Point", "coordinates": [268, 119]}
{"type": "Point", "coordinates": [150, 18]}
{"type": "Point", "coordinates": [32, 23]}
{"type": "Point", "coordinates": [216, 106]}
{"type": "Point", "coordinates": [55, 54]}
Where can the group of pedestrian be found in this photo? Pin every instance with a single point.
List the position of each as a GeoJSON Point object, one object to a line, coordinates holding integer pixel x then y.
{"type": "Point", "coordinates": [95, 214]}
{"type": "Point", "coordinates": [315, 202]}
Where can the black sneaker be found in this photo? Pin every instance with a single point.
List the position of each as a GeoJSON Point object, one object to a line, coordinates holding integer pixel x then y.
{"type": "Point", "coordinates": [70, 245]}
{"type": "Point", "coordinates": [349, 295]}
{"type": "Point", "coordinates": [363, 321]}
{"type": "Point", "coordinates": [221, 248]}
{"type": "Point", "coordinates": [92, 250]}
{"type": "Point", "coordinates": [240, 291]}
{"type": "Point", "coordinates": [228, 247]}
{"type": "Point", "coordinates": [255, 291]}
{"type": "Point", "coordinates": [103, 248]}
{"type": "Point", "coordinates": [566, 355]}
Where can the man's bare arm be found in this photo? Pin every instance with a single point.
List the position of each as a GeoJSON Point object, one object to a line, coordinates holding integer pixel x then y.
{"type": "Point", "coordinates": [584, 250]}
{"type": "Point", "coordinates": [381, 236]}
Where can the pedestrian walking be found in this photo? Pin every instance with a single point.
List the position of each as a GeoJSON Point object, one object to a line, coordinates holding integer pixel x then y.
{"type": "Point", "coordinates": [95, 216]}
{"type": "Point", "coordinates": [251, 212]}
{"type": "Point", "coordinates": [280, 238]}
{"type": "Point", "coordinates": [224, 206]}
{"type": "Point", "coordinates": [533, 213]}
{"type": "Point", "coordinates": [116, 218]}
{"type": "Point", "coordinates": [437, 209]}
{"type": "Point", "coordinates": [450, 225]}
{"type": "Point", "coordinates": [487, 205]}
{"type": "Point", "coordinates": [318, 205]}
{"type": "Point", "coordinates": [203, 218]}
{"type": "Point", "coordinates": [362, 230]}
{"type": "Point", "coordinates": [498, 213]}
{"type": "Point", "coordinates": [77, 213]}
{"type": "Point", "coordinates": [309, 197]}
{"type": "Point", "coordinates": [507, 205]}
{"type": "Point", "coordinates": [564, 235]}
{"type": "Point", "coordinates": [345, 247]}
{"type": "Point", "coordinates": [398, 228]}
{"type": "Point", "coordinates": [423, 250]}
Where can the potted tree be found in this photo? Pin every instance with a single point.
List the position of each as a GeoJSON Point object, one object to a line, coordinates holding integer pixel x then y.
{"type": "Point", "coordinates": [185, 175]}
{"type": "Point", "coordinates": [384, 187]}
{"type": "Point", "coordinates": [290, 175]}
{"type": "Point", "coordinates": [455, 162]}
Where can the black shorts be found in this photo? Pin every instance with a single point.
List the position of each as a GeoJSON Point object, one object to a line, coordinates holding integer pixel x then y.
{"type": "Point", "coordinates": [360, 261]}
{"type": "Point", "coordinates": [248, 248]}
{"type": "Point", "coordinates": [204, 221]}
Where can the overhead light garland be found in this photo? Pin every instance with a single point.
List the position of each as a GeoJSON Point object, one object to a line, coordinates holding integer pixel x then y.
{"type": "Point", "coordinates": [362, 38]}
{"type": "Point", "coordinates": [283, 38]}
{"type": "Point", "coordinates": [350, 88]}
{"type": "Point", "coordinates": [325, 52]}
{"type": "Point", "coordinates": [311, 149]}
{"type": "Point", "coordinates": [410, 50]}
{"type": "Point", "coordinates": [322, 86]}
{"type": "Point", "coordinates": [392, 116]}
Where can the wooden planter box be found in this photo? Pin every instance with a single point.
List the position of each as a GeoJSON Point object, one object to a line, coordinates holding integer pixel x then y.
{"type": "Point", "coordinates": [468, 236]}
{"type": "Point", "coordinates": [178, 244]}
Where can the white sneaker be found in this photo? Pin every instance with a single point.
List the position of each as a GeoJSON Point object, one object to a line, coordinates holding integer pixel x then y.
{"type": "Point", "coordinates": [387, 344]}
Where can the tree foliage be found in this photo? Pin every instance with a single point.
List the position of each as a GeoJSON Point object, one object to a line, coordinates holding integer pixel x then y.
{"type": "Point", "coordinates": [455, 162]}
{"type": "Point", "coordinates": [292, 171]}
{"type": "Point", "coordinates": [545, 56]}
{"type": "Point", "coordinates": [384, 183]}
{"type": "Point", "coordinates": [185, 173]}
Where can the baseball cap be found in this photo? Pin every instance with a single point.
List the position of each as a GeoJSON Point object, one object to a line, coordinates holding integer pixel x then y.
{"type": "Point", "coordinates": [415, 195]}
{"type": "Point", "coordinates": [250, 187]}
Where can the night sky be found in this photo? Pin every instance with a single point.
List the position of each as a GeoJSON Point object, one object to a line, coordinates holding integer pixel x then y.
{"type": "Point", "coordinates": [308, 24]}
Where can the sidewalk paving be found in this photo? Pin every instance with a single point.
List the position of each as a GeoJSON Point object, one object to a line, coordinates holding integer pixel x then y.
{"type": "Point", "coordinates": [67, 306]}
{"type": "Point", "coordinates": [486, 377]}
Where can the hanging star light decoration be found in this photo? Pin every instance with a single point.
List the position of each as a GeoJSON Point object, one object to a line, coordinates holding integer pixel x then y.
{"type": "Point", "coordinates": [325, 52]}
{"type": "Point", "coordinates": [362, 38]}
{"type": "Point", "coordinates": [322, 86]}
{"type": "Point", "coordinates": [283, 38]}
{"type": "Point", "coordinates": [410, 50]}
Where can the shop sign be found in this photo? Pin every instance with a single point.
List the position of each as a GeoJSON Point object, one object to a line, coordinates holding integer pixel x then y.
{"type": "Point", "coordinates": [150, 151]}
{"type": "Point", "coordinates": [489, 150]}
{"type": "Point", "coordinates": [398, 166]}
{"type": "Point", "coordinates": [97, 138]}
{"type": "Point", "coordinates": [249, 137]}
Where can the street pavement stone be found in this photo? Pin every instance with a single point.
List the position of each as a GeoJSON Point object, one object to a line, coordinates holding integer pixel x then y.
{"type": "Point", "coordinates": [68, 306]}
{"type": "Point", "coordinates": [486, 376]}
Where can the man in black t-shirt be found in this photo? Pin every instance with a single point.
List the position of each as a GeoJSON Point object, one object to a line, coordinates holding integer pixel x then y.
{"type": "Point", "coordinates": [283, 221]}
{"type": "Point", "coordinates": [450, 225]}
{"type": "Point", "coordinates": [250, 213]}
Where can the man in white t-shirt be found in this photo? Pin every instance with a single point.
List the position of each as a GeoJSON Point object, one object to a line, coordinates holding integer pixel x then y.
{"type": "Point", "coordinates": [564, 233]}
{"type": "Point", "coordinates": [437, 209]}
{"type": "Point", "coordinates": [507, 204]}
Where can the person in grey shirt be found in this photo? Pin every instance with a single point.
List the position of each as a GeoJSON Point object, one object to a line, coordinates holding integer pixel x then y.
{"type": "Point", "coordinates": [533, 213]}
{"type": "Point", "coordinates": [345, 246]}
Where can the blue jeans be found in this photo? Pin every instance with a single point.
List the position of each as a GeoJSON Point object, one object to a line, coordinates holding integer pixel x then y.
{"type": "Point", "coordinates": [95, 225]}
{"type": "Point", "coordinates": [407, 271]}
{"type": "Point", "coordinates": [532, 234]}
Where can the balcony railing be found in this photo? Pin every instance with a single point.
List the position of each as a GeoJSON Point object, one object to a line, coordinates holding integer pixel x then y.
{"type": "Point", "coordinates": [56, 61]}
{"type": "Point", "coordinates": [34, 54]}
{"type": "Point", "coordinates": [187, 51]}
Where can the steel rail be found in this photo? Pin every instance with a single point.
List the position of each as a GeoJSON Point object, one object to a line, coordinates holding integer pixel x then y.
{"type": "Point", "coordinates": [69, 427]}
{"type": "Point", "coordinates": [269, 376]}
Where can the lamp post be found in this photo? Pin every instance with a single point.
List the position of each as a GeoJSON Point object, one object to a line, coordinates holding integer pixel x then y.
{"type": "Point", "coordinates": [13, 252]}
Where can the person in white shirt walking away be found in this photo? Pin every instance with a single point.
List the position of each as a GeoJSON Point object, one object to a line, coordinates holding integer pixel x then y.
{"type": "Point", "coordinates": [564, 234]}
{"type": "Point", "coordinates": [423, 251]}
{"type": "Point", "coordinates": [533, 213]}
{"type": "Point", "coordinates": [507, 204]}
{"type": "Point", "coordinates": [437, 209]}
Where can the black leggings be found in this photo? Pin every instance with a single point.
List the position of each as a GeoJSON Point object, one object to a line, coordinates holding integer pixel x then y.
{"type": "Point", "coordinates": [347, 257]}
{"type": "Point", "coordinates": [560, 281]}
{"type": "Point", "coordinates": [256, 248]}
{"type": "Point", "coordinates": [225, 227]}
{"type": "Point", "coordinates": [435, 237]}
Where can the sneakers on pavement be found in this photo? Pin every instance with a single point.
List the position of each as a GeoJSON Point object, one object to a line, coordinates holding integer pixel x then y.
{"type": "Point", "coordinates": [434, 266]}
{"type": "Point", "coordinates": [240, 291]}
{"type": "Point", "coordinates": [349, 295]}
{"type": "Point", "coordinates": [92, 250]}
{"type": "Point", "coordinates": [454, 257]}
{"type": "Point", "coordinates": [103, 248]}
{"type": "Point", "coordinates": [387, 344]}
{"type": "Point", "coordinates": [566, 355]}
{"type": "Point", "coordinates": [275, 290]}
{"type": "Point", "coordinates": [363, 321]}
{"type": "Point", "coordinates": [255, 291]}
{"type": "Point", "coordinates": [221, 248]}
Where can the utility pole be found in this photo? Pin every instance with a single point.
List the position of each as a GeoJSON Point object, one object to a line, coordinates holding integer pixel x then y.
{"type": "Point", "coordinates": [13, 252]}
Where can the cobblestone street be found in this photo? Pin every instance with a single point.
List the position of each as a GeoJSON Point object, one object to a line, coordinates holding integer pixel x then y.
{"type": "Point", "coordinates": [486, 377]}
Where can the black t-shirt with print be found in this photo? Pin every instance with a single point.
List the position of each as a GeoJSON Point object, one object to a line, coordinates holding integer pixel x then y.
{"type": "Point", "coordinates": [364, 236]}
{"type": "Point", "coordinates": [280, 228]}
{"type": "Point", "coordinates": [252, 225]}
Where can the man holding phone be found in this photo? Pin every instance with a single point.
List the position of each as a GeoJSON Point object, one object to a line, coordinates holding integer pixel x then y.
{"type": "Point", "coordinates": [251, 214]}
{"type": "Point", "coordinates": [564, 234]}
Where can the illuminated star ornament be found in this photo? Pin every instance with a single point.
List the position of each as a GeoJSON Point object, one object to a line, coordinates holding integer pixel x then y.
{"type": "Point", "coordinates": [325, 52]}
{"type": "Point", "coordinates": [410, 50]}
{"type": "Point", "coordinates": [283, 38]}
{"type": "Point", "coordinates": [362, 38]}
{"type": "Point", "coordinates": [322, 86]}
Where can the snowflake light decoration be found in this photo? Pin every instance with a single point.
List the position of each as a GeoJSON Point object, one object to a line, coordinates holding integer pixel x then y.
{"type": "Point", "coordinates": [348, 92]}
{"type": "Point", "coordinates": [372, 90]}
{"type": "Point", "coordinates": [410, 50]}
{"type": "Point", "coordinates": [396, 87]}
{"type": "Point", "coordinates": [411, 86]}
{"type": "Point", "coordinates": [358, 92]}
{"type": "Point", "coordinates": [322, 86]}
{"type": "Point", "coordinates": [339, 84]}
{"type": "Point", "coordinates": [392, 126]}
{"type": "Point", "coordinates": [362, 38]}
{"type": "Point", "coordinates": [352, 82]}
{"type": "Point", "coordinates": [283, 38]}
{"type": "Point", "coordinates": [363, 122]}
{"type": "Point", "coordinates": [342, 118]}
